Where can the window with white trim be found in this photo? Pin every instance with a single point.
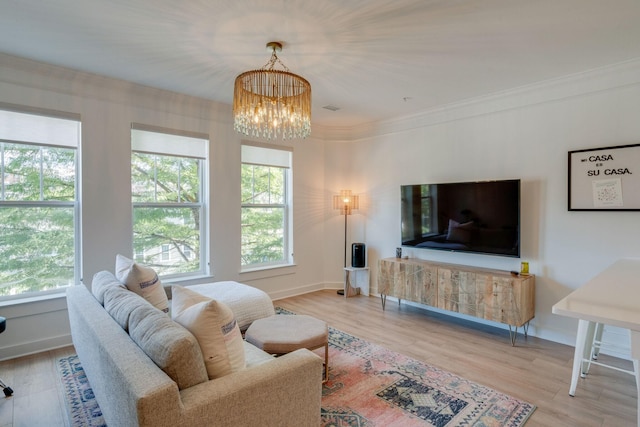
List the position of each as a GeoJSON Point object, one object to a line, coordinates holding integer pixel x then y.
{"type": "Point", "coordinates": [39, 209]}
{"type": "Point", "coordinates": [266, 237]}
{"type": "Point", "coordinates": [168, 179]}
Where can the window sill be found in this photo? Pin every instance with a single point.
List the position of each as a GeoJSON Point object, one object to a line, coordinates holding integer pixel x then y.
{"type": "Point", "coordinates": [187, 281]}
{"type": "Point", "coordinates": [34, 304]}
{"type": "Point", "coordinates": [268, 271]}
{"type": "Point", "coordinates": [33, 298]}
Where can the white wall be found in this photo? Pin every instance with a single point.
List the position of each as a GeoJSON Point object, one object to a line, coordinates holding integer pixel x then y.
{"type": "Point", "coordinates": [525, 134]}
{"type": "Point", "coordinates": [107, 108]}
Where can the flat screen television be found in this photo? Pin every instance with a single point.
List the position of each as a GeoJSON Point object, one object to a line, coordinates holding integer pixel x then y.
{"type": "Point", "coordinates": [478, 217]}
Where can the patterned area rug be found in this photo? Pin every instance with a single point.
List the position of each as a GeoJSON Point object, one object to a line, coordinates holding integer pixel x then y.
{"type": "Point", "coordinates": [82, 407]}
{"type": "Point", "coordinates": [369, 386]}
{"type": "Point", "coordinates": [372, 386]}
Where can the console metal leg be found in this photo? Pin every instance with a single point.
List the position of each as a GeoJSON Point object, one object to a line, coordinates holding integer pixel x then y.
{"type": "Point", "coordinates": [513, 334]}
{"type": "Point", "coordinates": [383, 299]}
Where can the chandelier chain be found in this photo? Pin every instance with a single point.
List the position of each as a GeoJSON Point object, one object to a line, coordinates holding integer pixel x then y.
{"type": "Point", "coordinates": [269, 66]}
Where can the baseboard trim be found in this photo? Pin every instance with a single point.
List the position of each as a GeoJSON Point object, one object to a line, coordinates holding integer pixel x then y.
{"type": "Point", "coordinates": [34, 347]}
{"type": "Point", "coordinates": [305, 290]}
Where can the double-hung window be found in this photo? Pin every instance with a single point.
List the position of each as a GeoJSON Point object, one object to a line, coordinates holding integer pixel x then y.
{"type": "Point", "coordinates": [168, 188]}
{"type": "Point", "coordinates": [266, 207]}
{"type": "Point", "coordinates": [39, 210]}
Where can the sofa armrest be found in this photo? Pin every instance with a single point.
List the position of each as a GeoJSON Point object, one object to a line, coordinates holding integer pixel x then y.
{"type": "Point", "coordinates": [284, 392]}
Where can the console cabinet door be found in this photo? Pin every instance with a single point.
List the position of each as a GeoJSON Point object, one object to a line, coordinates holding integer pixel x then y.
{"type": "Point", "coordinates": [423, 281]}
{"type": "Point", "coordinates": [499, 303]}
{"type": "Point", "coordinates": [523, 308]}
{"type": "Point", "coordinates": [457, 291]}
{"type": "Point", "coordinates": [509, 300]}
{"type": "Point", "coordinates": [386, 274]}
{"type": "Point", "coordinates": [484, 295]}
{"type": "Point", "coordinates": [410, 281]}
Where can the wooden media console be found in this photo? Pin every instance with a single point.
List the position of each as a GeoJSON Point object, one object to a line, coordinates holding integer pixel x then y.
{"type": "Point", "coordinates": [494, 295]}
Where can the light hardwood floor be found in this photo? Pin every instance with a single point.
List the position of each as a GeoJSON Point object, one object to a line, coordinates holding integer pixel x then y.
{"type": "Point", "coordinates": [535, 370]}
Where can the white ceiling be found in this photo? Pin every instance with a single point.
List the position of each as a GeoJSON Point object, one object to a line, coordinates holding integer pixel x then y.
{"type": "Point", "coordinates": [374, 59]}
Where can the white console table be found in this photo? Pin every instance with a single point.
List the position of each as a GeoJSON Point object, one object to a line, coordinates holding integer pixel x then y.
{"type": "Point", "coordinates": [610, 298]}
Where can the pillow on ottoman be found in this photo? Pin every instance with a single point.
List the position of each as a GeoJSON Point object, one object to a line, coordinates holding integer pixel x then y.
{"type": "Point", "coordinates": [143, 281]}
{"type": "Point", "coordinates": [214, 326]}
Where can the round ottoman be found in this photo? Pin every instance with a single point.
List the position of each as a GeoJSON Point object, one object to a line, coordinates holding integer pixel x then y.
{"type": "Point", "coordinates": [282, 333]}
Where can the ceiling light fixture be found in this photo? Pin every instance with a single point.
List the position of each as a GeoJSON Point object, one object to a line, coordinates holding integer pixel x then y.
{"type": "Point", "coordinates": [269, 103]}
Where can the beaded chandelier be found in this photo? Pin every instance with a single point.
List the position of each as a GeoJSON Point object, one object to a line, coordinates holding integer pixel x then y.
{"type": "Point", "coordinates": [271, 104]}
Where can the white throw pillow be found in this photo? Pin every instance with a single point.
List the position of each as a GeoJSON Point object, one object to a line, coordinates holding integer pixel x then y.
{"type": "Point", "coordinates": [143, 281]}
{"type": "Point", "coordinates": [214, 326]}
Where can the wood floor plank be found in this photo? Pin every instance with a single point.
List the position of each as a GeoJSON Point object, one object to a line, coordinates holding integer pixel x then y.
{"type": "Point", "coordinates": [6, 412]}
{"type": "Point", "coordinates": [38, 409]}
{"type": "Point", "coordinates": [535, 370]}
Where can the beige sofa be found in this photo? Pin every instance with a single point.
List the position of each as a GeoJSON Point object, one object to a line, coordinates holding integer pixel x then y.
{"type": "Point", "coordinates": [147, 370]}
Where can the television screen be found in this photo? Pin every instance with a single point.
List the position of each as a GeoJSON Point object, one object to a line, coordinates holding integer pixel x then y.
{"type": "Point", "coordinates": [479, 217]}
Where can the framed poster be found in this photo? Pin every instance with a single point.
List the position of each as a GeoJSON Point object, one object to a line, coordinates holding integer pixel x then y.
{"type": "Point", "coordinates": [605, 179]}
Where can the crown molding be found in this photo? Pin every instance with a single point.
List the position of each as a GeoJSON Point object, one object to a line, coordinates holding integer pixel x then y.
{"type": "Point", "coordinates": [601, 79]}
{"type": "Point", "coordinates": [33, 74]}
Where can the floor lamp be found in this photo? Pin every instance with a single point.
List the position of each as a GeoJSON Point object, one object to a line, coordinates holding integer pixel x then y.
{"type": "Point", "coordinates": [345, 202]}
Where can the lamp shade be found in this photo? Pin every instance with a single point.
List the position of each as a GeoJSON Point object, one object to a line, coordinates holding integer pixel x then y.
{"type": "Point", "coordinates": [346, 202]}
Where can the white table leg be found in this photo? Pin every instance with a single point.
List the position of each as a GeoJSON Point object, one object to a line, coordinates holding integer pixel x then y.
{"type": "Point", "coordinates": [597, 338]}
{"type": "Point", "coordinates": [635, 355]}
{"type": "Point", "coordinates": [592, 330]}
{"type": "Point", "coordinates": [637, 376]}
{"type": "Point", "coordinates": [584, 336]}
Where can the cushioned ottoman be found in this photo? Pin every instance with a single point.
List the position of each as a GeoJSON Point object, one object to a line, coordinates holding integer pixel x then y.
{"type": "Point", "coordinates": [282, 334]}
{"type": "Point", "coordinates": [247, 303]}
